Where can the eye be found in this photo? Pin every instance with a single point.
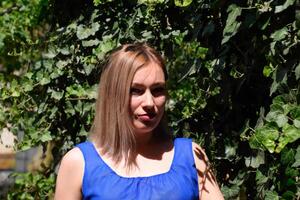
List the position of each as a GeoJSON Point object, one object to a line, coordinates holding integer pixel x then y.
{"type": "Point", "coordinates": [158, 91]}
{"type": "Point", "coordinates": [136, 91]}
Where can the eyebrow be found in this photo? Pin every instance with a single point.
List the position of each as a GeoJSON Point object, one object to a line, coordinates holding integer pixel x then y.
{"type": "Point", "coordinates": [163, 84]}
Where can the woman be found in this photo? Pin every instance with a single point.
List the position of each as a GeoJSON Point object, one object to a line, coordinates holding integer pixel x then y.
{"type": "Point", "coordinates": [131, 154]}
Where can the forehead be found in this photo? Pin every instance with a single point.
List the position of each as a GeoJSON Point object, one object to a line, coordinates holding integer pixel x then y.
{"type": "Point", "coordinates": [149, 74]}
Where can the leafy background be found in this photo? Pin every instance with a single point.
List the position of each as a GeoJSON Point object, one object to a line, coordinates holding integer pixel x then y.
{"type": "Point", "coordinates": [234, 82]}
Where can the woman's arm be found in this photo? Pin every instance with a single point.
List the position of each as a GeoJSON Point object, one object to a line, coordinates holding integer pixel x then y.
{"type": "Point", "coordinates": [208, 186]}
{"type": "Point", "coordinates": [70, 175]}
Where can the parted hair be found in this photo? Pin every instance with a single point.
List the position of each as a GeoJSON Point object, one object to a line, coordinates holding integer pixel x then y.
{"type": "Point", "coordinates": [112, 129]}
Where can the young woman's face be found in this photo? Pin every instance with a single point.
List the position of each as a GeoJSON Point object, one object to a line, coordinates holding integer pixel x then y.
{"type": "Point", "coordinates": [147, 98]}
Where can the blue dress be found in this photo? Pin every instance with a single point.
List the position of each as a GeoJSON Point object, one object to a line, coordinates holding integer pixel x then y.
{"type": "Point", "coordinates": [100, 182]}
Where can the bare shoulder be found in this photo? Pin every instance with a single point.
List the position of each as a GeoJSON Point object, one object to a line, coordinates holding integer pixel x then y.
{"type": "Point", "coordinates": [208, 186]}
{"type": "Point", "coordinates": [74, 156]}
{"type": "Point", "coordinates": [201, 160]}
{"type": "Point", "coordinates": [70, 175]}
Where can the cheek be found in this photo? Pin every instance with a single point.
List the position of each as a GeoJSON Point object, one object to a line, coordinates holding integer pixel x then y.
{"type": "Point", "coordinates": [160, 102]}
{"type": "Point", "coordinates": [134, 103]}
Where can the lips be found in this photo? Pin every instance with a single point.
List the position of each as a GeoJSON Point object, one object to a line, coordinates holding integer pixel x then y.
{"type": "Point", "coordinates": [146, 117]}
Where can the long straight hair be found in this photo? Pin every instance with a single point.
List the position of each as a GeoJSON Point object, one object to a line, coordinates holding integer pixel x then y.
{"type": "Point", "coordinates": [112, 129]}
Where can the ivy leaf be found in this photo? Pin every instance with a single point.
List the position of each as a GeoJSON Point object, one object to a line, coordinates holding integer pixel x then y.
{"type": "Point", "coordinates": [232, 24]}
{"type": "Point", "coordinates": [90, 43]}
{"type": "Point", "coordinates": [289, 134]}
{"type": "Point", "coordinates": [88, 68]}
{"type": "Point", "coordinates": [267, 70]}
{"type": "Point", "coordinates": [57, 95]}
{"type": "Point", "coordinates": [287, 156]}
{"type": "Point", "coordinates": [260, 177]}
{"type": "Point", "coordinates": [297, 158]}
{"type": "Point", "coordinates": [296, 123]}
{"type": "Point", "coordinates": [295, 112]}
{"type": "Point", "coordinates": [280, 34]}
{"type": "Point", "coordinates": [281, 120]}
{"type": "Point", "coordinates": [271, 195]}
{"type": "Point", "coordinates": [286, 4]}
{"type": "Point", "coordinates": [151, 2]}
{"type": "Point", "coordinates": [230, 192]}
{"type": "Point", "coordinates": [50, 54]}
{"type": "Point", "coordinates": [84, 32]}
{"type": "Point", "coordinates": [264, 138]}
{"type": "Point", "coordinates": [182, 3]}
{"type": "Point", "coordinates": [45, 80]}
{"type": "Point", "coordinates": [272, 115]}
{"type": "Point", "coordinates": [106, 45]}
{"type": "Point", "coordinates": [46, 136]}
{"type": "Point", "coordinates": [255, 161]}
{"type": "Point", "coordinates": [297, 71]}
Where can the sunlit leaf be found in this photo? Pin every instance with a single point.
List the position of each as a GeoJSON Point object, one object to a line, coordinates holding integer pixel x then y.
{"type": "Point", "coordinates": [182, 3]}
{"type": "Point", "coordinates": [280, 34]}
{"type": "Point", "coordinates": [90, 43]}
{"type": "Point", "coordinates": [232, 24]}
{"type": "Point", "coordinates": [255, 161]}
{"type": "Point", "coordinates": [84, 32]}
{"type": "Point", "coordinates": [46, 136]}
{"type": "Point", "coordinates": [286, 4]}
{"type": "Point", "coordinates": [289, 134]}
{"type": "Point", "coordinates": [264, 138]}
{"type": "Point", "coordinates": [287, 156]}
{"type": "Point", "coordinates": [271, 195]}
{"type": "Point", "coordinates": [297, 158]}
{"type": "Point", "coordinates": [297, 71]}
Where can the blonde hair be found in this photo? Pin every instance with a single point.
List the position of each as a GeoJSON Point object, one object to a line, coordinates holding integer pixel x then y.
{"type": "Point", "coordinates": [112, 128]}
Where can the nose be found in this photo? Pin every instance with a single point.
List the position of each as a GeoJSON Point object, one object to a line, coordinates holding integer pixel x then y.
{"type": "Point", "coordinates": [148, 101]}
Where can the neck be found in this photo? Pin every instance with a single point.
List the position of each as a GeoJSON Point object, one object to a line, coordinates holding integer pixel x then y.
{"type": "Point", "coordinates": [144, 140]}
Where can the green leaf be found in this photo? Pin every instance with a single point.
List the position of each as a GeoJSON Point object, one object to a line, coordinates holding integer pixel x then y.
{"type": "Point", "coordinates": [287, 156]}
{"type": "Point", "coordinates": [57, 95]}
{"type": "Point", "coordinates": [295, 112]}
{"type": "Point", "coordinates": [286, 4]}
{"type": "Point", "coordinates": [150, 2]}
{"type": "Point", "coordinates": [182, 3]}
{"type": "Point", "coordinates": [281, 120]}
{"type": "Point", "coordinates": [297, 71]}
{"type": "Point", "coordinates": [230, 151]}
{"type": "Point", "coordinates": [45, 80]}
{"type": "Point", "coordinates": [272, 116]}
{"type": "Point", "coordinates": [289, 134]}
{"type": "Point", "coordinates": [105, 45]}
{"type": "Point", "coordinates": [289, 195]}
{"type": "Point", "coordinates": [50, 54]}
{"type": "Point", "coordinates": [291, 172]}
{"type": "Point", "coordinates": [46, 136]}
{"type": "Point", "coordinates": [232, 24]}
{"type": "Point", "coordinates": [230, 192]}
{"type": "Point", "coordinates": [267, 70]}
{"type": "Point", "coordinates": [255, 161]}
{"type": "Point", "coordinates": [84, 32]}
{"type": "Point", "coordinates": [264, 138]}
{"type": "Point", "coordinates": [297, 158]}
{"type": "Point", "coordinates": [90, 43]}
{"type": "Point", "coordinates": [88, 68]}
{"type": "Point", "coordinates": [62, 63]}
{"type": "Point", "coordinates": [271, 195]}
{"type": "Point", "coordinates": [260, 177]}
{"type": "Point", "coordinates": [296, 123]}
{"type": "Point", "coordinates": [280, 34]}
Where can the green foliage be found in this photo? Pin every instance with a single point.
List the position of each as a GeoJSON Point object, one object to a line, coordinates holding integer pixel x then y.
{"type": "Point", "coordinates": [20, 29]}
{"type": "Point", "coordinates": [29, 186]}
{"type": "Point", "coordinates": [233, 86]}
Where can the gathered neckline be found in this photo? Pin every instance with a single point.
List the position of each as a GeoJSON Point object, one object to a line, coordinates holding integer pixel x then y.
{"type": "Point", "coordinates": [135, 177]}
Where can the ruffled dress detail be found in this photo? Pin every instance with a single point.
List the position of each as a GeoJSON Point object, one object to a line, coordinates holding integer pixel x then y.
{"type": "Point", "coordinates": [100, 182]}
